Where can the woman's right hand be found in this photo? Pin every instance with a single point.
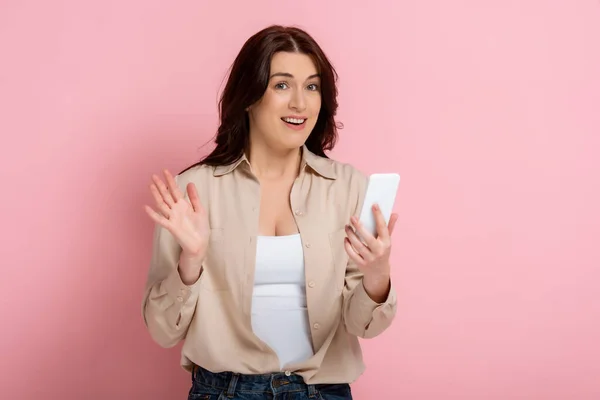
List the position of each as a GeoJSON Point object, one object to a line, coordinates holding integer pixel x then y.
{"type": "Point", "coordinates": [186, 220]}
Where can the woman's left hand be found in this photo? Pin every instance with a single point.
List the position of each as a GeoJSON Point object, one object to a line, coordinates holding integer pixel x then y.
{"type": "Point", "coordinates": [372, 255]}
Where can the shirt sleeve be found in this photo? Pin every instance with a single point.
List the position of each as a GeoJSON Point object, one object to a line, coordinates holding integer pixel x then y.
{"type": "Point", "coordinates": [168, 304]}
{"type": "Point", "coordinates": [364, 317]}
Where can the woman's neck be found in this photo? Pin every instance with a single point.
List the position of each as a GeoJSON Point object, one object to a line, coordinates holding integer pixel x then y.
{"type": "Point", "coordinates": [269, 163]}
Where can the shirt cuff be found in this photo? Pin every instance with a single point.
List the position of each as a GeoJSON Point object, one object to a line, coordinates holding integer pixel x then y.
{"type": "Point", "coordinates": [179, 291]}
{"type": "Point", "coordinates": [367, 306]}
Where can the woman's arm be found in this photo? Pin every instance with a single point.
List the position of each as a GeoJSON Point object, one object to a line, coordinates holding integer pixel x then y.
{"type": "Point", "coordinates": [168, 304]}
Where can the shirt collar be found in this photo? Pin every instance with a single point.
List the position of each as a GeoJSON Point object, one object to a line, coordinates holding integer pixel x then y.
{"type": "Point", "coordinates": [321, 165]}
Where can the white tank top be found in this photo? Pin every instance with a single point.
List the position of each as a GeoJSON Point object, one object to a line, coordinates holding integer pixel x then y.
{"type": "Point", "coordinates": [279, 314]}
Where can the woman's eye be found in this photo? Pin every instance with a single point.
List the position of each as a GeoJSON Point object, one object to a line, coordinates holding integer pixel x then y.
{"type": "Point", "coordinates": [281, 85]}
{"type": "Point", "coordinates": [313, 87]}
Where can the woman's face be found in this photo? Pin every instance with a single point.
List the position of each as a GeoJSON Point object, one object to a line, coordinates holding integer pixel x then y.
{"type": "Point", "coordinates": [287, 113]}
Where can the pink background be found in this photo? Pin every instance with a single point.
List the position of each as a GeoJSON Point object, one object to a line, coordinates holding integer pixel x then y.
{"type": "Point", "coordinates": [488, 109]}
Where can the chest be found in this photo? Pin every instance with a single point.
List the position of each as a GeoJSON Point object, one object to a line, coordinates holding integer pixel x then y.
{"type": "Point", "coordinates": [276, 217]}
{"type": "Point", "coordinates": [242, 211]}
{"type": "Point", "coordinates": [246, 208]}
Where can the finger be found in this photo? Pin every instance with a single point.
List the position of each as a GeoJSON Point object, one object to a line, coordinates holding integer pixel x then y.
{"type": "Point", "coordinates": [172, 186]}
{"type": "Point", "coordinates": [367, 237]}
{"type": "Point", "coordinates": [381, 226]}
{"type": "Point", "coordinates": [160, 204]}
{"type": "Point", "coordinates": [354, 256]}
{"type": "Point", "coordinates": [194, 198]}
{"type": "Point", "coordinates": [358, 245]}
{"type": "Point", "coordinates": [164, 192]}
{"type": "Point", "coordinates": [392, 223]}
{"type": "Point", "coordinates": [156, 217]}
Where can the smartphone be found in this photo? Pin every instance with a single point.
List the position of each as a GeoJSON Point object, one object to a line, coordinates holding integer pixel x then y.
{"type": "Point", "coordinates": [381, 189]}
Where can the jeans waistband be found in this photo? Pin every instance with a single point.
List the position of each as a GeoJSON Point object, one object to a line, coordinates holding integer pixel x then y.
{"type": "Point", "coordinates": [231, 382]}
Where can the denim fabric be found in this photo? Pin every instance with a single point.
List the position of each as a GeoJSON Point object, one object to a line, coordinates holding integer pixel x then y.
{"type": "Point", "coordinates": [277, 386]}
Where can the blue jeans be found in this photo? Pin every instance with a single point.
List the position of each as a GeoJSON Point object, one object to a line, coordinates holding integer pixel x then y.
{"type": "Point", "coordinates": [207, 385]}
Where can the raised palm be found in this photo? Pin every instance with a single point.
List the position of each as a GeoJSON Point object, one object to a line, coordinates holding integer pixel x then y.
{"type": "Point", "coordinates": [186, 220]}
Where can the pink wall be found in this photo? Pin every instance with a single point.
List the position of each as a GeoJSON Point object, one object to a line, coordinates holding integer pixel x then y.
{"type": "Point", "coordinates": [488, 109]}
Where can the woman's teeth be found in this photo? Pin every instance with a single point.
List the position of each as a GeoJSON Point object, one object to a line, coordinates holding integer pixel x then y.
{"type": "Point", "coordinates": [294, 120]}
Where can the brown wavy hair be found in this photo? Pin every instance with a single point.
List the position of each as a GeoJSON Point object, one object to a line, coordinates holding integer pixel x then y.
{"type": "Point", "coordinates": [247, 82]}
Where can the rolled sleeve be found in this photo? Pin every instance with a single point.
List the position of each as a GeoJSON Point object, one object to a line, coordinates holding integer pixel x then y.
{"type": "Point", "coordinates": [178, 291]}
{"type": "Point", "coordinates": [168, 304]}
{"type": "Point", "coordinates": [364, 317]}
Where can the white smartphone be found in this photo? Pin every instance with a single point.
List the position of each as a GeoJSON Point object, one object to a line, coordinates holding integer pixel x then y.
{"type": "Point", "coordinates": [381, 189]}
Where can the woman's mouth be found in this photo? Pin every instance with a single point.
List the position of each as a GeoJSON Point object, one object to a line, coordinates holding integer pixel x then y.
{"type": "Point", "coordinates": [294, 123]}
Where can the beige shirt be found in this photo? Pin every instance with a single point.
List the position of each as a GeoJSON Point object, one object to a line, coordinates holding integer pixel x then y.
{"type": "Point", "coordinates": [213, 315]}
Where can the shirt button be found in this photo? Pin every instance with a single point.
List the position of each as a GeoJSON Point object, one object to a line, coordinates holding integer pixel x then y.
{"type": "Point", "coordinates": [180, 299]}
{"type": "Point", "coordinates": [299, 213]}
{"type": "Point", "coordinates": [311, 284]}
{"type": "Point", "coordinates": [316, 325]}
{"type": "Point", "coordinates": [288, 373]}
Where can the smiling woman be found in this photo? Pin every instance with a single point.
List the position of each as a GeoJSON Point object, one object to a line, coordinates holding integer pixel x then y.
{"type": "Point", "coordinates": [283, 73]}
{"type": "Point", "coordinates": [292, 96]}
{"type": "Point", "coordinates": [251, 267]}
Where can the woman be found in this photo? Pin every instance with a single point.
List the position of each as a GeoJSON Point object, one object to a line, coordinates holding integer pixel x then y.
{"type": "Point", "coordinates": [256, 263]}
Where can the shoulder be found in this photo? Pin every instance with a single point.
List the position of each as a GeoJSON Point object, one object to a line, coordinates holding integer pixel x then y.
{"type": "Point", "coordinates": [198, 174]}
{"type": "Point", "coordinates": [349, 177]}
{"type": "Point", "coordinates": [347, 172]}
{"type": "Point", "coordinates": [201, 177]}
{"type": "Point", "coordinates": [351, 182]}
